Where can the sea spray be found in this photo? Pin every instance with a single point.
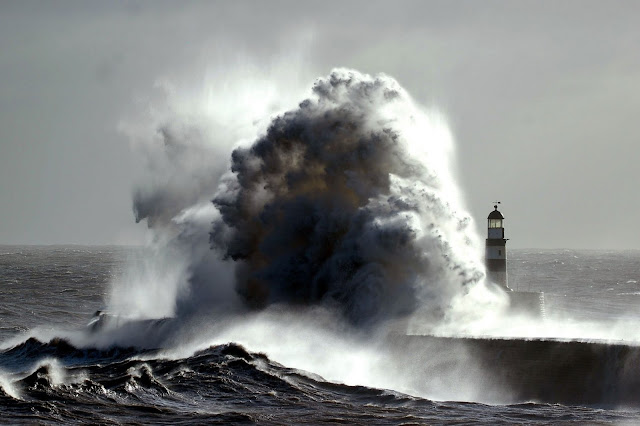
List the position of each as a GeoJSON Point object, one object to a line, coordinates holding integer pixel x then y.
{"type": "Point", "coordinates": [349, 200]}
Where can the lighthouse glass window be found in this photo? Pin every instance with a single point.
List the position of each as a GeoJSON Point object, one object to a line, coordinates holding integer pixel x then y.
{"type": "Point", "coordinates": [495, 223]}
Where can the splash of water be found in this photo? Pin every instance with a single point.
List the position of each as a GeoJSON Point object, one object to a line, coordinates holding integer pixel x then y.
{"type": "Point", "coordinates": [348, 200]}
{"type": "Point", "coordinates": [342, 207]}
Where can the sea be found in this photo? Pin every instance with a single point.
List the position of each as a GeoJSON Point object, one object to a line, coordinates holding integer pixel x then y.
{"type": "Point", "coordinates": [47, 293]}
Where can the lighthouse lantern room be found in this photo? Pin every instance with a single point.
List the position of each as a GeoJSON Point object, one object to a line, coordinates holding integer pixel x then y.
{"type": "Point", "coordinates": [496, 252]}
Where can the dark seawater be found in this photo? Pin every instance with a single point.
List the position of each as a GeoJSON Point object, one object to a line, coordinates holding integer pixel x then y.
{"type": "Point", "coordinates": [51, 381]}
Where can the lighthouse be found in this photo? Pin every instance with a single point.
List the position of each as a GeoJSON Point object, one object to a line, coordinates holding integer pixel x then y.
{"type": "Point", "coordinates": [496, 250]}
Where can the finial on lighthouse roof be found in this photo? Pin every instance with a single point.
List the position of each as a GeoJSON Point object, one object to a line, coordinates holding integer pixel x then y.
{"type": "Point", "coordinates": [495, 214]}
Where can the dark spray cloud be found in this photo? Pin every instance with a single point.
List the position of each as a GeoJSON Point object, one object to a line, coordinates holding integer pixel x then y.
{"type": "Point", "coordinates": [349, 201]}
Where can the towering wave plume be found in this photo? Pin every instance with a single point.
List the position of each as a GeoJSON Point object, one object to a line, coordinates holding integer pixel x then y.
{"type": "Point", "coordinates": [348, 201]}
{"type": "Point", "coordinates": [346, 204]}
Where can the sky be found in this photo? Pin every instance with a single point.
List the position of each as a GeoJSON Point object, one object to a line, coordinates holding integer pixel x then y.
{"type": "Point", "coordinates": [542, 98]}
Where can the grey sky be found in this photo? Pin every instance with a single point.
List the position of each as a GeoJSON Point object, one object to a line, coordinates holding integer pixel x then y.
{"type": "Point", "coordinates": [543, 98]}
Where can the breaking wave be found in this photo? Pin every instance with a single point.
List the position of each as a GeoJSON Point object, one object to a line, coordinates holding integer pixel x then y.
{"type": "Point", "coordinates": [347, 201]}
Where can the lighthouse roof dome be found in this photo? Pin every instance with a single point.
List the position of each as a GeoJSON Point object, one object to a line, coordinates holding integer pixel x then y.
{"type": "Point", "coordinates": [495, 214]}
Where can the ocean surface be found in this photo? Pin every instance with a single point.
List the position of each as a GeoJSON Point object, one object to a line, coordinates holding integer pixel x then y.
{"type": "Point", "coordinates": [49, 293]}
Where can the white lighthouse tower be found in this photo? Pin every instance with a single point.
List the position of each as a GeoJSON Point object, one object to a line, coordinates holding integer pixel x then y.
{"type": "Point", "coordinates": [496, 250]}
